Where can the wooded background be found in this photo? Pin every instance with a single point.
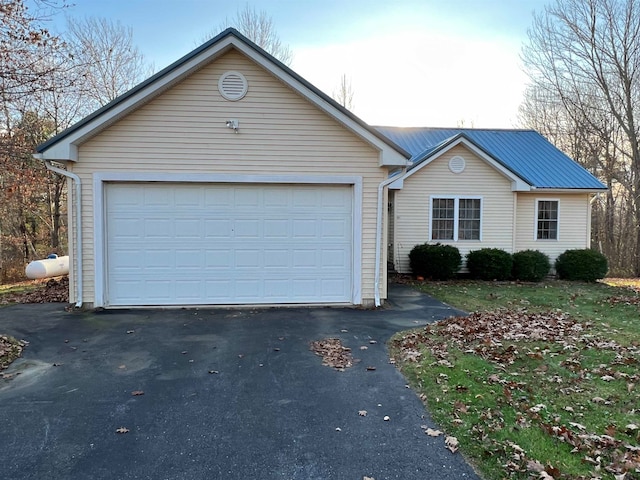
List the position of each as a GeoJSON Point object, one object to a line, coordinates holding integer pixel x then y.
{"type": "Point", "coordinates": [582, 58]}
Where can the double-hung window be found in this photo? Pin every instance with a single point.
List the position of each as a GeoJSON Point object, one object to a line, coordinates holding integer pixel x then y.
{"type": "Point", "coordinates": [456, 218]}
{"type": "Point", "coordinates": [547, 220]}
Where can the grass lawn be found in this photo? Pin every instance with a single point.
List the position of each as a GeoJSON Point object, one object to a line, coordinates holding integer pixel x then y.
{"type": "Point", "coordinates": [541, 381]}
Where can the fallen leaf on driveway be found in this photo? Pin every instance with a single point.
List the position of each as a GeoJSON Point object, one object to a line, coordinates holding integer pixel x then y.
{"type": "Point", "coordinates": [122, 430]}
{"type": "Point", "coordinates": [137, 393]}
{"type": "Point", "coordinates": [333, 353]}
{"type": "Point", "coordinates": [433, 433]}
{"type": "Point", "coordinates": [370, 369]}
{"type": "Point", "coordinates": [386, 418]}
{"type": "Point", "coordinates": [368, 478]}
{"type": "Point", "coordinates": [362, 413]}
{"type": "Point", "coordinates": [452, 444]}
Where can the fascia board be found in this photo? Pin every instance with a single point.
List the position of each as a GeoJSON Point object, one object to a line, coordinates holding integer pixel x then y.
{"type": "Point", "coordinates": [68, 144]}
{"type": "Point", "coordinates": [66, 147]}
{"type": "Point", "coordinates": [541, 190]}
{"type": "Point", "coordinates": [387, 155]}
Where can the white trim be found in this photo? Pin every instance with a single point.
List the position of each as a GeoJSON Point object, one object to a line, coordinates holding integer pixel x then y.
{"type": "Point", "coordinates": [535, 220]}
{"type": "Point", "coordinates": [456, 216]}
{"type": "Point", "coordinates": [66, 148]}
{"type": "Point", "coordinates": [588, 232]}
{"type": "Point", "coordinates": [517, 183]}
{"type": "Point", "coordinates": [99, 217]}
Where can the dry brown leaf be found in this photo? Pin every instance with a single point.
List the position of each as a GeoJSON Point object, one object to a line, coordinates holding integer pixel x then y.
{"type": "Point", "coordinates": [333, 353]}
{"type": "Point", "coordinates": [433, 433]}
{"type": "Point", "coordinates": [137, 393]}
{"type": "Point", "coordinates": [452, 444]}
{"type": "Point", "coordinates": [368, 478]}
{"type": "Point", "coordinates": [535, 466]}
{"type": "Point", "coordinates": [362, 413]}
{"type": "Point", "coordinates": [122, 430]}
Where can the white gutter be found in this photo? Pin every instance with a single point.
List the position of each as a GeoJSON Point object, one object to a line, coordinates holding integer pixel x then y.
{"type": "Point", "coordinates": [78, 196]}
{"type": "Point", "coordinates": [376, 285]}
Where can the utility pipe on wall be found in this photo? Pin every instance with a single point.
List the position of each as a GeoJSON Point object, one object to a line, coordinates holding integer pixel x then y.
{"type": "Point", "coordinates": [78, 205]}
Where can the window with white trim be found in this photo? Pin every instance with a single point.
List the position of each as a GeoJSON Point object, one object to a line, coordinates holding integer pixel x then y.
{"type": "Point", "coordinates": [547, 220]}
{"type": "Point", "coordinates": [456, 218]}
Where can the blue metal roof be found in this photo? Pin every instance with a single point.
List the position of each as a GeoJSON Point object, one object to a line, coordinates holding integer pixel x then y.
{"type": "Point", "coordinates": [526, 153]}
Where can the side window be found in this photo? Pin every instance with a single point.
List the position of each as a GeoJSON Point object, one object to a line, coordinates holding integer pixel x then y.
{"type": "Point", "coordinates": [442, 218]}
{"type": "Point", "coordinates": [547, 220]}
{"type": "Point", "coordinates": [455, 218]}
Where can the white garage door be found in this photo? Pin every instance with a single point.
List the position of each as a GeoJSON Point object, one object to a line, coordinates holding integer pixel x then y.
{"type": "Point", "coordinates": [199, 244]}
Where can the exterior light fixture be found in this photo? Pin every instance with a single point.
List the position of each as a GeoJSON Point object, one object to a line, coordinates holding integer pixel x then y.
{"type": "Point", "coordinates": [233, 124]}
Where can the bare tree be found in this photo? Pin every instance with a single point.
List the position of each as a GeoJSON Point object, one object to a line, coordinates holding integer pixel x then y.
{"type": "Point", "coordinates": [258, 27]}
{"type": "Point", "coordinates": [46, 85]}
{"type": "Point", "coordinates": [585, 56]}
{"type": "Point", "coordinates": [344, 93]}
{"type": "Point", "coordinates": [106, 58]}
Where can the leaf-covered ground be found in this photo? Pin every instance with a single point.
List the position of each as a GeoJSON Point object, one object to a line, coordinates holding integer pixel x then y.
{"type": "Point", "coordinates": [54, 290]}
{"type": "Point", "coordinates": [532, 391]}
{"type": "Point", "coordinates": [10, 349]}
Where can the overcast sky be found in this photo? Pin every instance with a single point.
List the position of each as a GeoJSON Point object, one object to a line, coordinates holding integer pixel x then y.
{"type": "Point", "coordinates": [411, 62]}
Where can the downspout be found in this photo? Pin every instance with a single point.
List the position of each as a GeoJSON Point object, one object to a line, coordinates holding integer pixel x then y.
{"type": "Point", "coordinates": [78, 195]}
{"type": "Point", "coordinates": [381, 187]}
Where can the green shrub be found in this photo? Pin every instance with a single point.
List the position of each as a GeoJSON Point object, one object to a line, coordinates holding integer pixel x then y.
{"type": "Point", "coordinates": [582, 265]}
{"type": "Point", "coordinates": [439, 262]}
{"type": "Point", "coordinates": [489, 264]}
{"type": "Point", "coordinates": [530, 265]}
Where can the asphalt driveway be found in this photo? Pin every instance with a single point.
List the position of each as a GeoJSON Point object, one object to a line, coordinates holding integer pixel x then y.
{"type": "Point", "coordinates": [233, 394]}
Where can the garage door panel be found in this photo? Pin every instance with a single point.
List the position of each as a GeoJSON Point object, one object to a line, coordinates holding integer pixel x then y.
{"type": "Point", "coordinates": [218, 259]}
{"type": "Point", "coordinates": [228, 244]}
{"type": "Point", "coordinates": [217, 228]}
{"type": "Point", "coordinates": [188, 228]}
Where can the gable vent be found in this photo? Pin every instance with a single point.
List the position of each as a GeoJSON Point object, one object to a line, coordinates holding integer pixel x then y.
{"type": "Point", "coordinates": [457, 164]}
{"type": "Point", "coordinates": [232, 86]}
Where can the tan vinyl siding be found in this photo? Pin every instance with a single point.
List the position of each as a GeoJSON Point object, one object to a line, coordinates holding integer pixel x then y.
{"type": "Point", "coordinates": [184, 131]}
{"type": "Point", "coordinates": [573, 223]}
{"type": "Point", "coordinates": [411, 205]}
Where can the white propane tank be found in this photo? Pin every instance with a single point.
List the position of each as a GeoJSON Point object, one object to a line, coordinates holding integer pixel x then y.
{"type": "Point", "coordinates": [53, 266]}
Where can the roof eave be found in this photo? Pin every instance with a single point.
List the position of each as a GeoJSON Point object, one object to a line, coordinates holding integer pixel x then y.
{"type": "Point", "coordinates": [568, 190]}
{"type": "Point", "coordinates": [63, 147]}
